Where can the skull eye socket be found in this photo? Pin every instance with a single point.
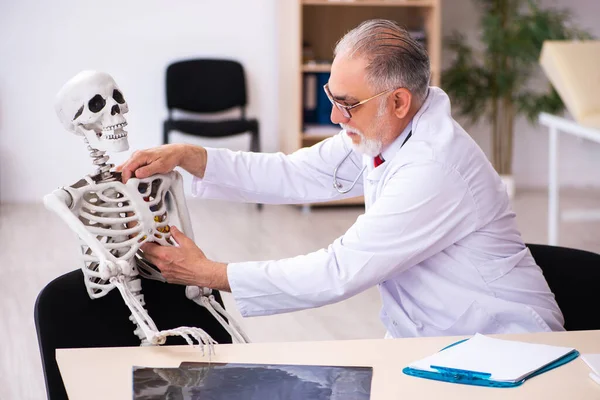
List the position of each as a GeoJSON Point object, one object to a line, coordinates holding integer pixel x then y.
{"type": "Point", "coordinates": [78, 113]}
{"type": "Point", "coordinates": [118, 96]}
{"type": "Point", "coordinates": [96, 104]}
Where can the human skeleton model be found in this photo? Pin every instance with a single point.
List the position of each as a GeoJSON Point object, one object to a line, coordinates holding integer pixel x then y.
{"type": "Point", "coordinates": [114, 219]}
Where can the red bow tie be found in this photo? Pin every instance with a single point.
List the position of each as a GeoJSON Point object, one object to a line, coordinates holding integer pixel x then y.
{"type": "Point", "coordinates": [377, 161]}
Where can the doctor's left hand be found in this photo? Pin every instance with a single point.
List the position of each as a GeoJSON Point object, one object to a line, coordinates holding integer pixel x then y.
{"type": "Point", "coordinates": [186, 264]}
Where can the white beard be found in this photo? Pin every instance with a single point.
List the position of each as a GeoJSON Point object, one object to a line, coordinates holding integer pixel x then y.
{"type": "Point", "coordinates": [369, 147]}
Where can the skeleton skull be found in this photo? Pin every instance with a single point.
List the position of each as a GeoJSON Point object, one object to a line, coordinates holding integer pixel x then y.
{"type": "Point", "coordinates": [91, 104]}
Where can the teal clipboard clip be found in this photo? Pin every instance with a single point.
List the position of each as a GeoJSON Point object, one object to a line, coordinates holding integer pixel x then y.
{"type": "Point", "coordinates": [476, 378]}
{"type": "Point", "coordinates": [460, 374]}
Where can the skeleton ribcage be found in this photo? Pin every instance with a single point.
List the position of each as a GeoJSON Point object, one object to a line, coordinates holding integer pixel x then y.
{"type": "Point", "coordinates": [113, 220]}
{"type": "Point", "coordinates": [122, 217]}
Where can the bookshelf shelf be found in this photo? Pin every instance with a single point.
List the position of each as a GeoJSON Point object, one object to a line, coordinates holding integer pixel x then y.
{"type": "Point", "coordinates": [316, 67]}
{"type": "Point", "coordinates": [372, 3]}
{"type": "Point", "coordinates": [354, 201]}
{"type": "Point", "coordinates": [327, 67]}
{"type": "Point", "coordinates": [309, 30]}
{"type": "Point", "coordinates": [313, 137]}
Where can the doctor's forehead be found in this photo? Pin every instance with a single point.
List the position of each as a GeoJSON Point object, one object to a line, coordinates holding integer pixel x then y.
{"type": "Point", "coordinates": [348, 78]}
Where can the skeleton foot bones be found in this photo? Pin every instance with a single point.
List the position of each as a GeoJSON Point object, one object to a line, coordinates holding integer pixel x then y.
{"type": "Point", "coordinates": [113, 219]}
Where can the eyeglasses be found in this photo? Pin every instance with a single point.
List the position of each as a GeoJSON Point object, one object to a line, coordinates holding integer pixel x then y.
{"type": "Point", "coordinates": [344, 109]}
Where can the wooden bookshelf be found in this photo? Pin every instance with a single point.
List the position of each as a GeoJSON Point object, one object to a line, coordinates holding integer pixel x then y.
{"type": "Point", "coordinates": [321, 23]}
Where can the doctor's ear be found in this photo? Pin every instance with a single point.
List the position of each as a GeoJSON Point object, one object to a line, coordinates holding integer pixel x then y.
{"type": "Point", "coordinates": [402, 102]}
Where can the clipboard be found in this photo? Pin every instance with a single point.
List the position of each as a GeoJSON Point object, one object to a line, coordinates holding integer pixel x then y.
{"type": "Point", "coordinates": [480, 378]}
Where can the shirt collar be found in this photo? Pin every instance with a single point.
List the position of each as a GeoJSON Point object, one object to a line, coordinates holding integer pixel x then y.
{"type": "Point", "coordinates": [393, 148]}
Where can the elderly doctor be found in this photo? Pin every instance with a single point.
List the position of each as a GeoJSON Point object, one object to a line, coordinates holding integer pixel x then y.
{"type": "Point", "coordinates": [438, 236]}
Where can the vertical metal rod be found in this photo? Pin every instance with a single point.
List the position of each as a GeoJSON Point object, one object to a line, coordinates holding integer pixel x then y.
{"type": "Point", "coordinates": [553, 205]}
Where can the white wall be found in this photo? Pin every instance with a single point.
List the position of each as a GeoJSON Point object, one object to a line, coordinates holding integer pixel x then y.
{"type": "Point", "coordinates": [43, 44]}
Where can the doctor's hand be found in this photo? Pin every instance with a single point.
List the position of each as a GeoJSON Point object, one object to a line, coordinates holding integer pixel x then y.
{"type": "Point", "coordinates": [186, 264]}
{"type": "Point", "coordinates": [163, 159]}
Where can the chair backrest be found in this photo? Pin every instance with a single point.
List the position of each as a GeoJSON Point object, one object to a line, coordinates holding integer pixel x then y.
{"type": "Point", "coordinates": [205, 85]}
{"type": "Point", "coordinates": [66, 317]}
{"type": "Point", "coordinates": [574, 278]}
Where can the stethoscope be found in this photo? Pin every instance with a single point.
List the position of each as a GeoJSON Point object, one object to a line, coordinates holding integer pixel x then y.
{"type": "Point", "coordinates": [338, 186]}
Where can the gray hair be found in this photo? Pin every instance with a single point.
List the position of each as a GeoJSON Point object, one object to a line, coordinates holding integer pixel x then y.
{"type": "Point", "coordinates": [394, 58]}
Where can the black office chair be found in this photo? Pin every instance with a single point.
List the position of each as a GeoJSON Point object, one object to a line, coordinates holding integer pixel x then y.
{"type": "Point", "coordinates": [208, 86]}
{"type": "Point", "coordinates": [574, 278]}
{"type": "Point", "coordinates": [66, 317]}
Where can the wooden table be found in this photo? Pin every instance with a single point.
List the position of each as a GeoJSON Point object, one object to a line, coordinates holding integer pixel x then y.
{"type": "Point", "coordinates": [107, 373]}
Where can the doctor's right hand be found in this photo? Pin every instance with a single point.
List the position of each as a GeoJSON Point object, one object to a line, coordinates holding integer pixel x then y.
{"type": "Point", "coordinates": [163, 159]}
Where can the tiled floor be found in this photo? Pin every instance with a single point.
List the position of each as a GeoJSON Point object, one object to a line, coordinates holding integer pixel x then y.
{"type": "Point", "coordinates": [37, 247]}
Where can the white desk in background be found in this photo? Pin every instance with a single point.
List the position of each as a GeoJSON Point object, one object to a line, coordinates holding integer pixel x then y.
{"type": "Point", "coordinates": [556, 124]}
{"type": "Point", "coordinates": [107, 373]}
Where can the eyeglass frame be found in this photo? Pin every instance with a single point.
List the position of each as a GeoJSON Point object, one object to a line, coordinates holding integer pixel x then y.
{"type": "Point", "coordinates": [345, 110]}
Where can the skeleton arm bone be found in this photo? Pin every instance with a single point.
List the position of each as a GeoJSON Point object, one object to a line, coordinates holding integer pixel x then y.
{"type": "Point", "coordinates": [203, 296]}
{"type": "Point", "coordinates": [180, 204]}
{"type": "Point", "coordinates": [61, 202]}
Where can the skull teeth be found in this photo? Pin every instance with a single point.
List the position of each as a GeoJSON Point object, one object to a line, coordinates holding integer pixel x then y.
{"type": "Point", "coordinates": [116, 135]}
{"type": "Point", "coordinates": [113, 127]}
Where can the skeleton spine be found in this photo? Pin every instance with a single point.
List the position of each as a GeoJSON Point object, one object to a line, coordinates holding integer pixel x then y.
{"type": "Point", "coordinates": [100, 160]}
{"type": "Point", "coordinates": [133, 281]}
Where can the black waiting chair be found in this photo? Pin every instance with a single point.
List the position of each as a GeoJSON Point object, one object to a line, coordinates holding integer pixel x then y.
{"type": "Point", "coordinates": [205, 87]}
{"type": "Point", "coordinates": [208, 86]}
{"type": "Point", "coordinates": [66, 317]}
{"type": "Point", "coordinates": [574, 278]}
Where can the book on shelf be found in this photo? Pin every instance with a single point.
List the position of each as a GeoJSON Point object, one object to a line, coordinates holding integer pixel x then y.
{"type": "Point", "coordinates": [320, 130]}
{"type": "Point", "coordinates": [315, 104]}
{"type": "Point", "coordinates": [419, 35]}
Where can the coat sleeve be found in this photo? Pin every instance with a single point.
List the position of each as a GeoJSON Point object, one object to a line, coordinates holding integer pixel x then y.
{"type": "Point", "coordinates": [422, 210]}
{"type": "Point", "coordinates": [304, 176]}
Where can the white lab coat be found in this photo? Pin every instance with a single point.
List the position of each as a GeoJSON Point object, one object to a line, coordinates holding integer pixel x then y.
{"type": "Point", "coordinates": [438, 236]}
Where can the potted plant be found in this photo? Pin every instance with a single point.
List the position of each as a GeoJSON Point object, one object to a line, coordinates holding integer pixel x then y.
{"type": "Point", "coordinates": [492, 84]}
